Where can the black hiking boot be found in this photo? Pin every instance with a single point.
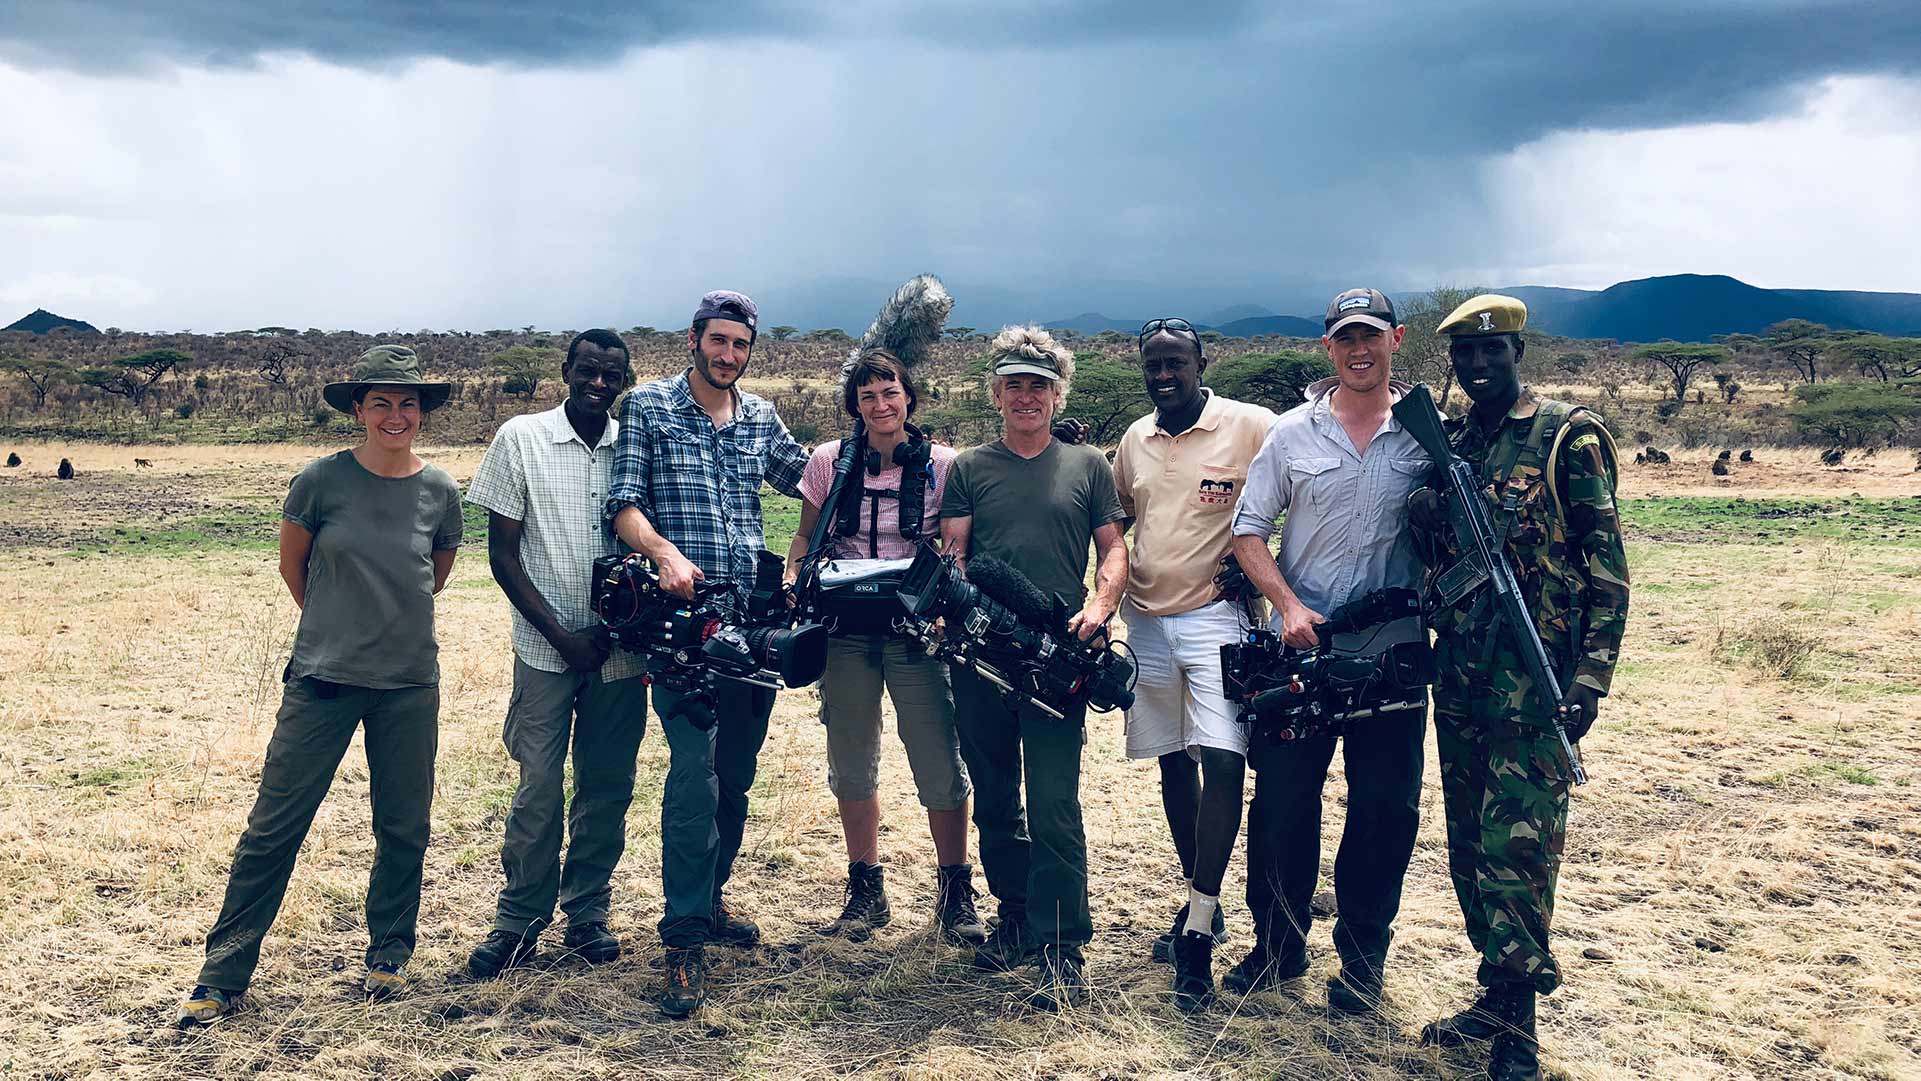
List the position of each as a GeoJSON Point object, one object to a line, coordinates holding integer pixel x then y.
{"type": "Point", "coordinates": [591, 942]}
{"type": "Point", "coordinates": [1061, 984]}
{"type": "Point", "coordinates": [686, 981]}
{"type": "Point", "coordinates": [1008, 948]}
{"type": "Point", "coordinates": [502, 950]}
{"type": "Point", "coordinates": [1164, 945]}
{"type": "Point", "coordinates": [954, 915]}
{"type": "Point", "coordinates": [1516, 1056]}
{"type": "Point", "coordinates": [1260, 972]}
{"type": "Point", "coordinates": [731, 930]}
{"type": "Point", "coordinates": [1193, 972]}
{"type": "Point", "coordinates": [1356, 990]}
{"type": "Point", "coordinates": [1477, 1023]}
{"type": "Point", "coordinates": [866, 906]}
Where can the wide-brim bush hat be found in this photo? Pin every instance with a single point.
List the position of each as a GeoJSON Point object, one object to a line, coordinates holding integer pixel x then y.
{"type": "Point", "coordinates": [387, 366]}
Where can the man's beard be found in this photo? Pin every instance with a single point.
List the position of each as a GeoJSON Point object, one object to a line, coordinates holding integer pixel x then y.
{"type": "Point", "coordinates": [701, 365]}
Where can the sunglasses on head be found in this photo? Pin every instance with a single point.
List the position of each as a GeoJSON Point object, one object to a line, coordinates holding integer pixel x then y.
{"type": "Point", "coordinates": [1173, 326]}
{"type": "Point", "coordinates": [1155, 326]}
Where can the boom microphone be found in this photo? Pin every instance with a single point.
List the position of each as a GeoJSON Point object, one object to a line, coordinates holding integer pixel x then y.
{"type": "Point", "coordinates": [1016, 591]}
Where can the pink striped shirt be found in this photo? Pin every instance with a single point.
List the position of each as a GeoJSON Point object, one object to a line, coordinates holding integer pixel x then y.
{"type": "Point", "coordinates": [819, 476]}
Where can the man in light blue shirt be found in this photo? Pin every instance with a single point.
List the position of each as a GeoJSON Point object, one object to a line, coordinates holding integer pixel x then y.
{"type": "Point", "coordinates": [1340, 468]}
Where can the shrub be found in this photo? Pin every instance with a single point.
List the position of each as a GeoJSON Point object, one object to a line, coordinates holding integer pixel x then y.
{"type": "Point", "coordinates": [1773, 643]}
{"type": "Point", "coordinates": [184, 409]}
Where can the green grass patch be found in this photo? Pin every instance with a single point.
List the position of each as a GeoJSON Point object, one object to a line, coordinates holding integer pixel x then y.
{"type": "Point", "coordinates": [117, 775]}
{"type": "Point", "coordinates": [1773, 521]}
{"type": "Point", "coordinates": [780, 519]}
{"type": "Point", "coordinates": [1846, 772]}
{"type": "Point", "coordinates": [230, 529]}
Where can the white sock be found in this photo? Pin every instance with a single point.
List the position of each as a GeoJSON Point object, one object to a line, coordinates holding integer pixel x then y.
{"type": "Point", "coordinates": [1200, 913]}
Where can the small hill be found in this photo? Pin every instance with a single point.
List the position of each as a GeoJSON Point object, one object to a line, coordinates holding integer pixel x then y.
{"type": "Point", "coordinates": [1235, 312]}
{"type": "Point", "coordinates": [1291, 326]}
{"type": "Point", "coordinates": [1094, 323]}
{"type": "Point", "coordinates": [41, 321]}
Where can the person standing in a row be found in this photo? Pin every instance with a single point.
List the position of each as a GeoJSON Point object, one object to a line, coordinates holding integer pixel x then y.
{"type": "Point", "coordinates": [367, 538]}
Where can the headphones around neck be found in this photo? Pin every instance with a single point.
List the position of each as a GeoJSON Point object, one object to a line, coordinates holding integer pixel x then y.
{"type": "Point", "coordinates": [908, 452]}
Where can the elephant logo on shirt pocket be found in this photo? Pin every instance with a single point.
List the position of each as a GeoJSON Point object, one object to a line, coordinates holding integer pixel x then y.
{"type": "Point", "coordinates": [1218, 493]}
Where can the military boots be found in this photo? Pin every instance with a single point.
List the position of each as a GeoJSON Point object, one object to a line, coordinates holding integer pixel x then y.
{"type": "Point", "coordinates": [1516, 1056]}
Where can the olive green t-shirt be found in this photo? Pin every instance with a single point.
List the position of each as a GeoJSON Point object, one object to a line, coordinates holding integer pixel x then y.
{"type": "Point", "coordinates": [369, 616]}
{"type": "Point", "coordinates": [1036, 514]}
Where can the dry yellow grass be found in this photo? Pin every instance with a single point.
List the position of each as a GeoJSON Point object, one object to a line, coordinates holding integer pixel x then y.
{"type": "Point", "coordinates": [1739, 899]}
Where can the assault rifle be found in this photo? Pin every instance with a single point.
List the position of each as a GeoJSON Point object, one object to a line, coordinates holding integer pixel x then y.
{"type": "Point", "coordinates": [1483, 563]}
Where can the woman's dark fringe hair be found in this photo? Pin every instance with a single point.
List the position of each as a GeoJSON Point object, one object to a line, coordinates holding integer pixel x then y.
{"type": "Point", "coordinates": [877, 364]}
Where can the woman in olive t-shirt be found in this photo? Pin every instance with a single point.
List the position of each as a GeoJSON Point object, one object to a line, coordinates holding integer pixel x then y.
{"type": "Point", "coordinates": [367, 537]}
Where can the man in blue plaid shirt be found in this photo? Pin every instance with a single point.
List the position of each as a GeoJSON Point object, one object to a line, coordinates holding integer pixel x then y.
{"type": "Point", "coordinates": [688, 466]}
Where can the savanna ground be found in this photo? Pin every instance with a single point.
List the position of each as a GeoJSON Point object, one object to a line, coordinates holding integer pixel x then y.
{"type": "Point", "coordinates": [1742, 895]}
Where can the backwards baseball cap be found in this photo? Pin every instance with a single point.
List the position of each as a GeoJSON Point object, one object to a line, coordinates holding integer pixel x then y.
{"type": "Point", "coordinates": [1369, 306]}
{"type": "Point", "coordinates": [727, 304]}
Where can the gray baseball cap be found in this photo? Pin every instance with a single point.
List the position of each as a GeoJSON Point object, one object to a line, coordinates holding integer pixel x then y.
{"type": "Point", "coordinates": [1369, 306]}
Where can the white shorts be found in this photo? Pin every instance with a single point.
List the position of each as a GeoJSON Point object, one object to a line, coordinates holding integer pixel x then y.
{"type": "Point", "coordinates": [1178, 703]}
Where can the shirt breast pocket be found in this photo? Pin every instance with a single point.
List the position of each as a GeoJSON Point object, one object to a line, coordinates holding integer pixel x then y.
{"type": "Point", "coordinates": [1219, 487]}
{"type": "Point", "coordinates": [1407, 474]}
{"type": "Point", "coordinates": [747, 460]}
{"type": "Point", "coordinates": [1313, 480]}
{"type": "Point", "coordinates": [681, 449]}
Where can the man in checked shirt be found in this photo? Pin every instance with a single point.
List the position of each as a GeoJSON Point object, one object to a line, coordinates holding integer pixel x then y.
{"type": "Point", "coordinates": [543, 481]}
{"type": "Point", "coordinates": [688, 466]}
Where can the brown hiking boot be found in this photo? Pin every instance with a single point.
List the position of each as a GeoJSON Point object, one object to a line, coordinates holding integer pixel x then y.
{"type": "Point", "coordinates": [686, 981]}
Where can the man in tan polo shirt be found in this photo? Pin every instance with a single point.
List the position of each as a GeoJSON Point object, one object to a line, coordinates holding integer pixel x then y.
{"type": "Point", "coordinates": [1179, 471]}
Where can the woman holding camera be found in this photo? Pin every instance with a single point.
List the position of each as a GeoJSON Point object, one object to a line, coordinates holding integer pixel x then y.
{"type": "Point", "coordinates": [889, 502]}
{"type": "Point", "coordinates": [367, 538]}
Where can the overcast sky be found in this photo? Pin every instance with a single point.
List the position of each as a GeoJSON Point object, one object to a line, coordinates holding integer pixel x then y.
{"type": "Point", "coordinates": [219, 164]}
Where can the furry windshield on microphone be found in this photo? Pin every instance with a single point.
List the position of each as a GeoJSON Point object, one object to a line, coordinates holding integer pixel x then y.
{"type": "Point", "coordinates": [908, 324]}
{"type": "Point", "coordinates": [1017, 593]}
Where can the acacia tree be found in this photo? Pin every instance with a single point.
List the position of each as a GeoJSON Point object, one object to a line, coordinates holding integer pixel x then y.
{"type": "Point", "coordinates": [1423, 354]}
{"type": "Point", "coordinates": [1877, 354]}
{"type": "Point", "coordinates": [1278, 381]}
{"type": "Point", "coordinates": [133, 377]}
{"type": "Point", "coordinates": [1106, 395]}
{"type": "Point", "coordinates": [40, 375]}
{"type": "Point", "coordinates": [1801, 342]}
{"type": "Point", "coordinates": [1681, 360]}
{"type": "Point", "coordinates": [1853, 414]}
{"type": "Point", "coordinates": [523, 366]}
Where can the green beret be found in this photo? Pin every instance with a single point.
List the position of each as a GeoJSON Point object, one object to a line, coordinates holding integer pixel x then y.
{"type": "Point", "coordinates": [1489, 313]}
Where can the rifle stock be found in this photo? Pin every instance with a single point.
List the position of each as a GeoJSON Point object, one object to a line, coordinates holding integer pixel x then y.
{"type": "Point", "coordinates": [1483, 561]}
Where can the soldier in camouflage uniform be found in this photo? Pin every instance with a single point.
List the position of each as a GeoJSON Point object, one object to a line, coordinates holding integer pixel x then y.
{"type": "Point", "coordinates": [1549, 471]}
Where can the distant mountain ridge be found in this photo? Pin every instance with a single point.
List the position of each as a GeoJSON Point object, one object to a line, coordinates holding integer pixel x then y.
{"type": "Point", "coordinates": [1292, 326]}
{"type": "Point", "coordinates": [40, 321]}
{"type": "Point", "coordinates": [1684, 307]}
{"type": "Point", "coordinates": [1697, 307]}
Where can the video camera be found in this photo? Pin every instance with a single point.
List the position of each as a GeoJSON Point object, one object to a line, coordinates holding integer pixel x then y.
{"type": "Point", "coordinates": [1003, 628]}
{"type": "Point", "coordinates": [689, 644]}
{"type": "Point", "coordinates": [1290, 694]}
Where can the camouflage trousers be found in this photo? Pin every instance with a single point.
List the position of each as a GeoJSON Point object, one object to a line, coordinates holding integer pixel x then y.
{"type": "Point", "coordinates": [1506, 796]}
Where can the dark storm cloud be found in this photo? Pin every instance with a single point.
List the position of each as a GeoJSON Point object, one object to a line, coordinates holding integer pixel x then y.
{"type": "Point", "coordinates": [1469, 77]}
{"type": "Point", "coordinates": [1139, 157]}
